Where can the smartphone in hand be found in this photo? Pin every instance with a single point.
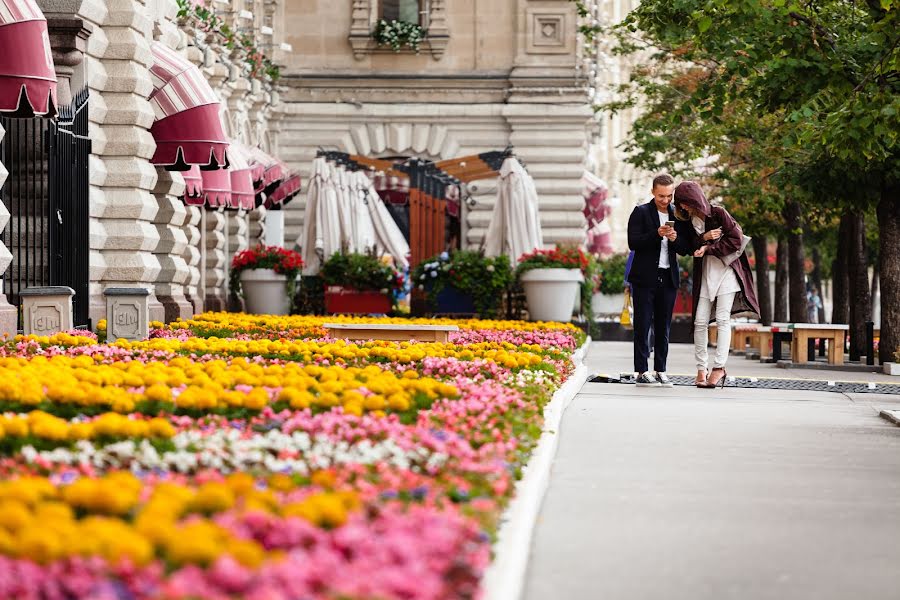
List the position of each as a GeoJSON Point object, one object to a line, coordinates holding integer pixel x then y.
{"type": "Point", "coordinates": [670, 223]}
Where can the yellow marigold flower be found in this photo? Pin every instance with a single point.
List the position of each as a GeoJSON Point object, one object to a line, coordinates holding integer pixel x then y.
{"type": "Point", "coordinates": [158, 392]}
{"type": "Point", "coordinates": [375, 402]}
{"type": "Point", "coordinates": [161, 428]}
{"type": "Point", "coordinates": [240, 483]}
{"type": "Point", "coordinates": [39, 544]}
{"type": "Point", "coordinates": [281, 482]}
{"type": "Point", "coordinates": [14, 515]}
{"type": "Point", "coordinates": [410, 374]}
{"type": "Point", "coordinates": [257, 399]}
{"type": "Point", "coordinates": [398, 402]}
{"type": "Point", "coordinates": [247, 552]}
{"type": "Point", "coordinates": [212, 497]}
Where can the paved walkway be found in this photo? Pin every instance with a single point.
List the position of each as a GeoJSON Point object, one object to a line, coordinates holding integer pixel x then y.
{"type": "Point", "coordinates": [717, 495]}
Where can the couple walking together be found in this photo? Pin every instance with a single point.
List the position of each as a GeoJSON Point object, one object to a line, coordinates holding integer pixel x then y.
{"type": "Point", "coordinates": [680, 220]}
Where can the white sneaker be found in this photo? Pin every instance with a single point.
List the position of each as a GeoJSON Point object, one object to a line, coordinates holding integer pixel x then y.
{"type": "Point", "coordinates": [664, 380]}
{"type": "Point", "coordinates": [646, 380]}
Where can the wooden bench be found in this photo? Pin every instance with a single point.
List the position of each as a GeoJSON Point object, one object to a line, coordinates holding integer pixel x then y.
{"type": "Point", "coordinates": [802, 337]}
{"type": "Point", "coordinates": [386, 331]}
{"type": "Point", "coordinates": [744, 335]}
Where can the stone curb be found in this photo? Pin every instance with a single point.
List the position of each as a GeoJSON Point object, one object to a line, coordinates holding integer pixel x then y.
{"type": "Point", "coordinates": [505, 577]}
{"type": "Point", "coordinates": [891, 416]}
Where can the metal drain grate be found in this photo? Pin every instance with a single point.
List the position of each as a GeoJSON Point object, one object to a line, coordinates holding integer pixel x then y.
{"type": "Point", "coordinates": [811, 385]}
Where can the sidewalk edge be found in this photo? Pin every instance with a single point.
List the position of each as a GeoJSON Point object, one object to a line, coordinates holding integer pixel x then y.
{"type": "Point", "coordinates": [891, 416]}
{"type": "Point", "coordinates": [505, 577]}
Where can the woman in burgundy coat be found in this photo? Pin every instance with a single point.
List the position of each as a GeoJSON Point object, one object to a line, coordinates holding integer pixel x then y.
{"type": "Point", "coordinates": [723, 284]}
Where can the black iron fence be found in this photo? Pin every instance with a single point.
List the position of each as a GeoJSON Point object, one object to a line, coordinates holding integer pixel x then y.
{"type": "Point", "coordinates": [46, 195]}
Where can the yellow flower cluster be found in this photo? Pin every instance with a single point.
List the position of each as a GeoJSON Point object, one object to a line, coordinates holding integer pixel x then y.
{"type": "Point", "coordinates": [504, 354]}
{"type": "Point", "coordinates": [58, 339]}
{"type": "Point", "coordinates": [39, 521]}
{"type": "Point", "coordinates": [244, 323]}
{"type": "Point", "coordinates": [121, 386]}
{"type": "Point", "coordinates": [42, 425]}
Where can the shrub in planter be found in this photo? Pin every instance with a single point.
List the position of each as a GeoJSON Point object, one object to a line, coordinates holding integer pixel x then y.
{"type": "Point", "coordinates": [465, 281]}
{"type": "Point", "coordinates": [266, 277]}
{"type": "Point", "coordinates": [552, 279]}
{"type": "Point", "coordinates": [360, 283]}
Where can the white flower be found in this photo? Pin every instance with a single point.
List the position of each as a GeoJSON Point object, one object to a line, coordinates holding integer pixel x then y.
{"type": "Point", "coordinates": [490, 268]}
{"type": "Point", "coordinates": [434, 273]}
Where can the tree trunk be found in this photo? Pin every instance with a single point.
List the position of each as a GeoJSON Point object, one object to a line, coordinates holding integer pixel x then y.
{"type": "Point", "coordinates": [781, 281]}
{"type": "Point", "coordinates": [763, 292]}
{"type": "Point", "coordinates": [796, 268]}
{"type": "Point", "coordinates": [840, 310]}
{"type": "Point", "coordinates": [860, 305]}
{"type": "Point", "coordinates": [889, 271]}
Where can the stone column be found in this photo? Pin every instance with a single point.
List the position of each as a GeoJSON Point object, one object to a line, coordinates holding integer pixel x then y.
{"type": "Point", "coordinates": [8, 313]}
{"type": "Point", "coordinates": [191, 256]}
{"type": "Point", "coordinates": [213, 244]}
{"type": "Point", "coordinates": [68, 42]}
{"type": "Point", "coordinates": [173, 241]}
{"type": "Point", "coordinates": [129, 205]}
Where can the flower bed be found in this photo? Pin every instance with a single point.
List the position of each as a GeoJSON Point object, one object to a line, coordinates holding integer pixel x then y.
{"type": "Point", "coordinates": [246, 456]}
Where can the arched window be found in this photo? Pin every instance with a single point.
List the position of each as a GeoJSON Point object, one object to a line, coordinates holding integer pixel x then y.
{"type": "Point", "coordinates": [410, 11]}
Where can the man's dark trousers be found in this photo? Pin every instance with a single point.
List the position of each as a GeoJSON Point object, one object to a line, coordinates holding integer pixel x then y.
{"type": "Point", "coordinates": [653, 305]}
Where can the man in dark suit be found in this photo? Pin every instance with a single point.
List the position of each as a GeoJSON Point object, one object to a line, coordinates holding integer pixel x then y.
{"type": "Point", "coordinates": [654, 279]}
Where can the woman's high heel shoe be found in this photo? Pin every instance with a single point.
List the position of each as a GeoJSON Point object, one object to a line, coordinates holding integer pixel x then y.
{"type": "Point", "coordinates": [700, 380]}
{"type": "Point", "coordinates": [713, 382]}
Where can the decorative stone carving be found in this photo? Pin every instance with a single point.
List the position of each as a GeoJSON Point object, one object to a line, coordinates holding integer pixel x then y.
{"type": "Point", "coordinates": [47, 310]}
{"type": "Point", "coordinates": [68, 42]}
{"type": "Point", "coordinates": [127, 314]}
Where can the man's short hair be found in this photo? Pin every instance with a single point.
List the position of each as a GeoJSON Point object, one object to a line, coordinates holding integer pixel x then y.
{"type": "Point", "coordinates": [663, 180]}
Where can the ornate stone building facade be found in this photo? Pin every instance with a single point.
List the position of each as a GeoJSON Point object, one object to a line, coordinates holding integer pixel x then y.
{"type": "Point", "coordinates": [141, 232]}
{"type": "Point", "coordinates": [489, 73]}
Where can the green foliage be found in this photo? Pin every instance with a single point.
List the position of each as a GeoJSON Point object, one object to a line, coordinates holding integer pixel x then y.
{"type": "Point", "coordinates": [612, 272]}
{"type": "Point", "coordinates": [258, 65]}
{"type": "Point", "coordinates": [486, 279]}
{"type": "Point", "coordinates": [791, 100]}
{"type": "Point", "coordinates": [398, 34]}
{"type": "Point", "coordinates": [364, 272]}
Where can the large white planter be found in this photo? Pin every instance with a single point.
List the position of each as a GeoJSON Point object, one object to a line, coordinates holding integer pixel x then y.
{"type": "Point", "coordinates": [608, 304]}
{"type": "Point", "coordinates": [551, 293]}
{"type": "Point", "coordinates": [265, 292]}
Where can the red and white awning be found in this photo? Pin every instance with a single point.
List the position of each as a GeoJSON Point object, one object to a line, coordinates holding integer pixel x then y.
{"type": "Point", "coordinates": [27, 76]}
{"type": "Point", "coordinates": [285, 191]}
{"type": "Point", "coordinates": [267, 170]}
{"type": "Point", "coordinates": [243, 194]}
{"type": "Point", "coordinates": [217, 188]}
{"type": "Point", "coordinates": [193, 185]}
{"type": "Point", "coordinates": [188, 129]}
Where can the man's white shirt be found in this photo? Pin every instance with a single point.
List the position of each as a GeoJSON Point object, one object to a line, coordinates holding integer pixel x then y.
{"type": "Point", "coordinates": [664, 248]}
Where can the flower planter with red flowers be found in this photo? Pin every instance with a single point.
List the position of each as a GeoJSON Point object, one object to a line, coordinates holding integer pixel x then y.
{"type": "Point", "coordinates": [552, 280]}
{"type": "Point", "coordinates": [266, 277]}
{"type": "Point", "coordinates": [341, 300]}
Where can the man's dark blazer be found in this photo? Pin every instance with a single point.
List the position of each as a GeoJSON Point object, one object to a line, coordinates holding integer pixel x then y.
{"type": "Point", "coordinates": [646, 243]}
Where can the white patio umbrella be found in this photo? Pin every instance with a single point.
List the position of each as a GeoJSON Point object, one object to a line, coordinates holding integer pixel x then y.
{"type": "Point", "coordinates": [321, 235]}
{"type": "Point", "coordinates": [387, 235]}
{"type": "Point", "coordinates": [341, 179]}
{"type": "Point", "coordinates": [362, 228]}
{"type": "Point", "coordinates": [515, 226]}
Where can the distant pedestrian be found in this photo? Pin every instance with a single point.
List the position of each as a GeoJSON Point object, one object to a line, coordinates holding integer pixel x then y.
{"type": "Point", "coordinates": [723, 281]}
{"type": "Point", "coordinates": [654, 280]}
{"type": "Point", "coordinates": [813, 304]}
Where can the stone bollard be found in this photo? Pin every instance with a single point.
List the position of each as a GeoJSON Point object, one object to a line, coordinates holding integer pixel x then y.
{"type": "Point", "coordinates": [127, 313]}
{"type": "Point", "coordinates": [46, 310]}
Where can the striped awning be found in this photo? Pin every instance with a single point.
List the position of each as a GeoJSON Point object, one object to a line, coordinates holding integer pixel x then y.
{"type": "Point", "coordinates": [188, 129]}
{"type": "Point", "coordinates": [27, 76]}
{"type": "Point", "coordinates": [243, 193]}
{"type": "Point", "coordinates": [193, 186]}
{"type": "Point", "coordinates": [267, 170]}
{"type": "Point", "coordinates": [285, 191]}
{"type": "Point", "coordinates": [217, 188]}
